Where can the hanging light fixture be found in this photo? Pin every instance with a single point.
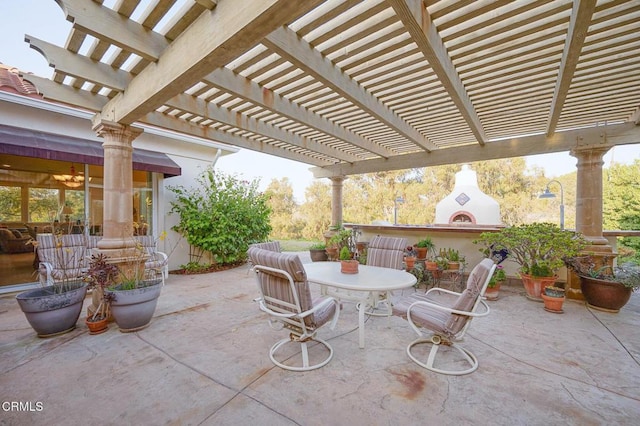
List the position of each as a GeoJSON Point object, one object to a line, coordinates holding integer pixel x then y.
{"type": "Point", "coordinates": [72, 180]}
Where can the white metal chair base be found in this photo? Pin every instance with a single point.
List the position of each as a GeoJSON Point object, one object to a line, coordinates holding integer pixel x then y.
{"type": "Point", "coordinates": [436, 341]}
{"type": "Point", "coordinates": [304, 351]}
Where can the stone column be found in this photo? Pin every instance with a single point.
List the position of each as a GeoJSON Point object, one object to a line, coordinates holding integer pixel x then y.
{"type": "Point", "coordinates": [117, 241]}
{"type": "Point", "coordinates": [589, 206]}
{"type": "Point", "coordinates": [117, 230]}
{"type": "Point", "coordinates": [336, 200]}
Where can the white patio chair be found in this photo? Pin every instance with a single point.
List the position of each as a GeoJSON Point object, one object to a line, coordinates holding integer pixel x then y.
{"type": "Point", "coordinates": [286, 297]}
{"type": "Point", "coordinates": [447, 322]}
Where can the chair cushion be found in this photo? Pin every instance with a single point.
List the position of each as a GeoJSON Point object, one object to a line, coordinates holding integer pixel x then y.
{"type": "Point", "coordinates": [386, 252]}
{"type": "Point", "coordinates": [325, 314]}
{"type": "Point", "coordinates": [422, 316]}
{"type": "Point", "coordinates": [470, 295]}
{"type": "Point", "coordinates": [269, 245]}
{"type": "Point", "coordinates": [17, 233]}
{"type": "Point", "coordinates": [276, 285]}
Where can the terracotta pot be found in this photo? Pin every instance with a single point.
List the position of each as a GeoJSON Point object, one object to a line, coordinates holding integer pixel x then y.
{"type": "Point", "coordinates": [422, 252]}
{"type": "Point", "coordinates": [534, 286]}
{"type": "Point", "coordinates": [604, 295]}
{"type": "Point", "coordinates": [431, 266]}
{"type": "Point", "coordinates": [492, 292]}
{"type": "Point", "coordinates": [349, 266]}
{"type": "Point", "coordinates": [97, 326]}
{"type": "Point", "coordinates": [454, 266]}
{"type": "Point", "coordinates": [332, 253]}
{"type": "Point", "coordinates": [410, 262]}
{"type": "Point", "coordinates": [552, 304]}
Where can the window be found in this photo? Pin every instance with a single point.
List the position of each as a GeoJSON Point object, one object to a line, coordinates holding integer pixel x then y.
{"type": "Point", "coordinates": [10, 201]}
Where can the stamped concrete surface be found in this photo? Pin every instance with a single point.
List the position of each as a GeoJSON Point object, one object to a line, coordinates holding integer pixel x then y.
{"type": "Point", "coordinates": [204, 361]}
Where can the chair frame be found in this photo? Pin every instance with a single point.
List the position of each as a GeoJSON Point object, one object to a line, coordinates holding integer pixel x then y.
{"type": "Point", "coordinates": [294, 321]}
{"type": "Point", "coordinates": [436, 339]}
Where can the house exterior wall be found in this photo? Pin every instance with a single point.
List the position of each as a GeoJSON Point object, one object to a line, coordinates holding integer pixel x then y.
{"type": "Point", "coordinates": [191, 154]}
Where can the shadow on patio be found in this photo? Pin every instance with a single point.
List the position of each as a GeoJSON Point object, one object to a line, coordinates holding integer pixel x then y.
{"type": "Point", "coordinates": [204, 360]}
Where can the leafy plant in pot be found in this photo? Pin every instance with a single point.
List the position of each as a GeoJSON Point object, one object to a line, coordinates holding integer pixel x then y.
{"type": "Point", "coordinates": [348, 265]}
{"type": "Point", "coordinates": [497, 279]}
{"type": "Point", "coordinates": [318, 252]}
{"type": "Point", "coordinates": [100, 275]}
{"type": "Point", "coordinates": [539, 249]}
{"type": "Point", "coordinates": [605, 287]}
{"type": "Point", "coordinates": [424, 247]}
{"type": "Point", "coordinates": [409, 258]}
{"type": "Point", "coordinates": [553, 298]}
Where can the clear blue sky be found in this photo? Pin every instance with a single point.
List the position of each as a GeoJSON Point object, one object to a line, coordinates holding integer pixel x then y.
{"type": "Point", "coordinates": [45, 20]}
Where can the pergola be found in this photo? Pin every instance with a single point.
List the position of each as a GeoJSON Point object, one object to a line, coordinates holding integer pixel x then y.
{"type": "Point", "coordinates": [351, 86]}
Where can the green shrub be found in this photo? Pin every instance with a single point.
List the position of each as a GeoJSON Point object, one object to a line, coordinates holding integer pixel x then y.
{"type": "Point", "coordinates": [222, 215]}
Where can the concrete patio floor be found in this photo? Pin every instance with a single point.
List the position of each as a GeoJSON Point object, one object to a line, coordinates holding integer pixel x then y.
{"type": "Point", "coordinates": [204, 361]}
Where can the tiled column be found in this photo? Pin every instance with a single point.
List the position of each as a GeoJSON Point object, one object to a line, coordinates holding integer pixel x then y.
{"type": "Point", "coordinates": [589, 206]}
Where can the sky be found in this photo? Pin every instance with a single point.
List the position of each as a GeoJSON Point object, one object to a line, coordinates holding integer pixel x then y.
{"type": "Point", "coordinates": [45, 20]}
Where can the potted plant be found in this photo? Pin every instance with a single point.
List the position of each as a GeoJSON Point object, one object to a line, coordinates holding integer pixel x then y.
{"type": "Point", "coordinates": [337, 241]}
{"type": "Point", "coordinates": [454, 259]}
{"type": "Point", "coordinates": [409, 258]}
{"type": "Point", "coordinates": [100, 275]}
{"type": "Point", "coordinates": [423, 247]}
{"type": "Point", "coordinates": [539, 249]}
{"type": "Point", "coordinates": [54, 309]}
{"type": "Point", "coordinates": [497, 279]}
{"type": "Point", "coordinates": [318, 252]}
{"type": "Point", "coordinates": [605, 287]}
{"type": "Point", "coordinates": [137, 291]}
{"type": "Point", "coordinates": [553, 298]}
{"type": "Point", "coordinates": [348, 265]}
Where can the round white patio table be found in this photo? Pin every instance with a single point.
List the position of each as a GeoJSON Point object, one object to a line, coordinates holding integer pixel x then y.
{"type": "Point", "coordinates": [367, 284]}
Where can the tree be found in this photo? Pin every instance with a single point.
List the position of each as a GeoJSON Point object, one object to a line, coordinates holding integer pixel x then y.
{"type": "Point", "coordinates": [285, 223]}
{"type": "Point", "coordinates": [316, 210]}
{"type": "Point", "coordinates": [621, 206]}
{"type": "Point", "coordinates": [222, 215]}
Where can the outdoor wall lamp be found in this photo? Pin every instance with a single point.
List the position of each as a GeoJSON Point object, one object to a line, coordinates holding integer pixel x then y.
{"type": "Point", "coordinates": [548, 194]}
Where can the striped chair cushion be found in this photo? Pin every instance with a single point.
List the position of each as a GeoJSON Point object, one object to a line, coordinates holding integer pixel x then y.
{"type": "Point", "coordinates": [386, 252]}
{"type": "Point", "coordinates": [470, 295]}
{"type": "Point", "coordinates": [277, 286]}
{"type": "Point", "coordinates": [268, 245]}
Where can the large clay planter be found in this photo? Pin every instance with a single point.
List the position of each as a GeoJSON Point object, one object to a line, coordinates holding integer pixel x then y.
{"type": "Point", "coordinates": [553, 304]}
{"type": "Point", "coordinates": [51, 313]}
{"type": "Point", "coordinates": [604, 295]}
{"type": "Point", "coordinates": [318, 255]}
{"type": "Point", "coordinates": [132, 309]}
{"type": "Point", "coordinates": [534, 286]}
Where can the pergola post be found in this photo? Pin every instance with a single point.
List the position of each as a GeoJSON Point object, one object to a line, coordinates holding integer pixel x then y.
{"type": "Point", "coordinates": [589, 195]}
{"type": "Point", "coordinates": [336, 200]}
{"type": "Point", "coordinates": [117, 241]}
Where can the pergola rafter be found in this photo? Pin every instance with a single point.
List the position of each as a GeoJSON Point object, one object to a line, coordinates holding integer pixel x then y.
{"type": "Point", "coordinates": [354, 86]}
